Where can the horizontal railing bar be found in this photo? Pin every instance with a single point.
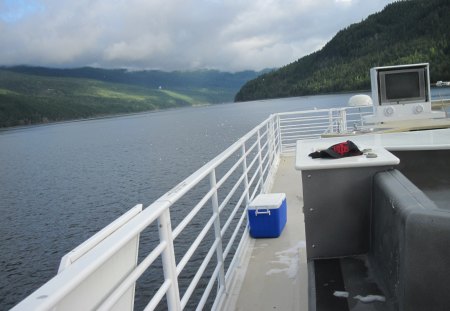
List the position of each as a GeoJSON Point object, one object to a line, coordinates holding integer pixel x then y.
{"type": "Point", "coordinates": [231, 193]}
{"type": "Point", "coordinates": [250, 166]}
{"type": "Point", "coordinates": [208, 288]}
{"type": "Point", "coordinates": [186, 220]}
{"type": "Point", "coordinates": [252, 179]}
{"type": "Point", "coordinates": [308, 133]}
{"type": "Point", "coordinates": [266, 165]}
{"type": "Point", "coordinates": [311, 132]}
{"type": "Point", "coordinates": [264, 147]}
{"type": "Point", "coordinates": [310, 116]}
{"type": "Point", "coordinates": [277, 143]}
{"type": "Point", "coordinates": [132, 277]}
{"type": "Point", "coordinates": [158, 296]}
{"type": "Point", "coordinates": [247, 153]}
{"type": "Point", "coordinates": [315, 133]}
{"type": "Point", "coordinates": [294, 137]}
{"type": "Point", "coordinates": [304, 125]}
{"type": "Point", "coordinates": [256, 188]}
{"type": "Point", "coordinates": [255, 172]}
{"type": "Point", "coordinates": [253, 146]}
{"type": "Point", "coordinates": [233, 213]}
{"type": "Point", "coordinates": [235, 232]}
{"type": "Point", "coordinates": [296, 120]}
{"type": "Point", "coordinates": [187, 256]}
{"type": "Point", "coordinates": [356, 113]}
{"type": "Point", "coordinates": [281, 114]}
{"type": "Point", "coordinates": [306, 129]}
{"type": "Point", "coordinates": [231, 170]}
{"type": "Point", "coordinates": [265, 157]}
{"type": "Point", "coordinates": [300, 114]}
{"type": "Point", "coordinates": [263, 134]}
{"type": "Point", "coordinates": [198, 275]}
{"type": "Point", "coordinates": [301, 125]}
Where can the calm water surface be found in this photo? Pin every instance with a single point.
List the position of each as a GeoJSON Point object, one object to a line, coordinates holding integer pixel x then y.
{"type": "Point", "coordinates": [61, 183]}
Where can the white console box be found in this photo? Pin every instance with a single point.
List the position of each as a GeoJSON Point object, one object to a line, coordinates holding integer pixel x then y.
{"type": "Point", "coordinates": [401, 93]}
{"type": "Point", "coordinates": [402, 112]}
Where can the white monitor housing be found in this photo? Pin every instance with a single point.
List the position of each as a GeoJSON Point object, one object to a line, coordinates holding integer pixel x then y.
{"type": "Point", "coordinates": [401, 93]}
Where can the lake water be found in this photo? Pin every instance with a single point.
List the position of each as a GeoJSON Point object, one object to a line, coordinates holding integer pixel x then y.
{"type": "Point", "coordinates": [61, 183]}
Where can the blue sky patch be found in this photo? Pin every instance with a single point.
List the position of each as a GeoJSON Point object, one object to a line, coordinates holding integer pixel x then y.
{"type": "Point", "coordinates": [12, 11]}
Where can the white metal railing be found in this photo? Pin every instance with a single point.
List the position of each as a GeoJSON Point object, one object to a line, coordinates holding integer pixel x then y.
{"type": "Point", "coordinates": [245, 169]}
{"type": "Point", "coordinates": [310, 124]}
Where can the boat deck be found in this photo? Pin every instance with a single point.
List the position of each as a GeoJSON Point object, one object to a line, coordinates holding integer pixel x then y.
{"type": "Point", "coordinates": [277, 275]}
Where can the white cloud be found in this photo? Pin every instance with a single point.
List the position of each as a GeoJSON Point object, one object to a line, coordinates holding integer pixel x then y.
{"type": "Point", "coordinates": [172, 35]}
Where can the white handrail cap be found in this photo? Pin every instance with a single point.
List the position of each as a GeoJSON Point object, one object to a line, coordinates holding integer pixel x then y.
{"type": "Point", "coordinates": [360, 100]}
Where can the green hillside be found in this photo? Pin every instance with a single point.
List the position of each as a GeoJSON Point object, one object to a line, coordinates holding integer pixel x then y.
{"type": "Point", "coordinates": [148, 78]}
{"type": "Point", "coordinates": [31, 98]}
{"type": "Point", "coordinates": [404, 32]}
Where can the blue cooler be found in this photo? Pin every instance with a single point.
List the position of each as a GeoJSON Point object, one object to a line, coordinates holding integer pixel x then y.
{"type": "Point", "coordinates": [267, 215]}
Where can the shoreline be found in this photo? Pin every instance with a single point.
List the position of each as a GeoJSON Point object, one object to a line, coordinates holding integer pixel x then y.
{"type": "Point", "coordinates": [438, 103]}
{"type": "Point", "coordinates": [100, 117]}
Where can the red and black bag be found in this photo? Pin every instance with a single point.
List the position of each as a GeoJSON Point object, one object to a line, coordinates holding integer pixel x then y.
{"type": "Point", "coordinates": [341, 150]}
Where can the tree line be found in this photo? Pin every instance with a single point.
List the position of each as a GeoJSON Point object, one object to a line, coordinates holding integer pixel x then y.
{"type": "Point", "coordinates": [404, 32]}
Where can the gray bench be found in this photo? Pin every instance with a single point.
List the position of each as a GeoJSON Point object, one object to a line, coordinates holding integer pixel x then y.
{"type": "Point", "coordinates": [409, 244]}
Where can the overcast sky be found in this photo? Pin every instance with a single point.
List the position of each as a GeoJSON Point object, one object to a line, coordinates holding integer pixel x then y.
{"type": "Point", "coordinates": [229, 35]}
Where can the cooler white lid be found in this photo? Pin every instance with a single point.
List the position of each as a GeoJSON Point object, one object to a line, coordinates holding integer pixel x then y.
{"type": "Point", "coordinates": [267, 200]}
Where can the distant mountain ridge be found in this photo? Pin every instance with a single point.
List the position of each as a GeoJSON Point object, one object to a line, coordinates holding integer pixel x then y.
{"type": "Point", "coordinates": [404, 32]}
{"type": "Point", "coordinates": [33, 95]}
{"type": "Point", "coordinates": [148, 78]}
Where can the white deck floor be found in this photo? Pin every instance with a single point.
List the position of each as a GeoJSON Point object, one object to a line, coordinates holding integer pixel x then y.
{"type": "Point", "coordinates": [277, 276]}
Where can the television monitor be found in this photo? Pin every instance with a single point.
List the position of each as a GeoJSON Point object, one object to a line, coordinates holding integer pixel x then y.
{"type": "Point", "coordinates": [402, 86]}
{"type": "Point", "coordinates": [401, 93]}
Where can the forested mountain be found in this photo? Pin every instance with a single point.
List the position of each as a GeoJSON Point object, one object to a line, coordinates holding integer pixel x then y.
{"type": "Point", "coordinates": [148, 78]}
{"type": "Point", "coordinates": [32, 95]}
{"type": "Point", "coordinates": [404, 32]}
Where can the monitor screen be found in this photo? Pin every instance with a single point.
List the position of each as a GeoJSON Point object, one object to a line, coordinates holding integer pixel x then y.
{"type": "Point", "coordinates": [402, 85]}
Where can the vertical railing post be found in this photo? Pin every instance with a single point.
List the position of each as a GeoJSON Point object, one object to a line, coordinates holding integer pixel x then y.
{"type": "Point", "coordinates": [361, 120]}
{"type": "Point", "coordinates": [275, 136]}
{"type": "Point", "coordinates": [279, 134]}
{"type": "Point", "coordinates": [270, 139]}
{"type": "Point", "coordinates": [168, 261]}
{"type": "Point", "coordinates": [217, 229]}
{"type": "Point", "coordinates": [272, 136]}
{"type": "Point", "coordinates": [260, 161]}
{"type": "Point", "coordinates": [244, 168]}
{"type": "Point", "coordinates": [330, 121]}
{"type": "Point", "coordinates": [342, 121]}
